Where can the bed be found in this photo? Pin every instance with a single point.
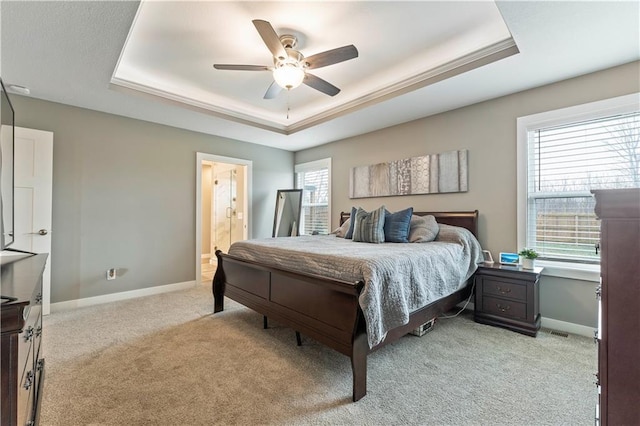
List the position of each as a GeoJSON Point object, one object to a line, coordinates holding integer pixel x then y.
{"type": "Point", "coordinates": [326, 303]}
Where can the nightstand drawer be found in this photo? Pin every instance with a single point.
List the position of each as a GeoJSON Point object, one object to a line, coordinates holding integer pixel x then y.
{"type": "Point", "coordinates": [504, 289]}
{"type": "Point", "coordinates": [504, 308]}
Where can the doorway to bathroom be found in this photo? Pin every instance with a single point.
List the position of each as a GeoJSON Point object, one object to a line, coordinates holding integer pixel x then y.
{"type": "Point", "coordinates": [223, 207]}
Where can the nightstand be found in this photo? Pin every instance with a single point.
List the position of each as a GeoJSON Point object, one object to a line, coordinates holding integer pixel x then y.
{"type": "Point", "coordinates": [508, 296]}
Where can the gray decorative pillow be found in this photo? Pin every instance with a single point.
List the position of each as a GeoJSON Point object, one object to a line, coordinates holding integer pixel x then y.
{"type": "Point", "coordinates": [369, 227]}
{"type": "Point", "coordinates": [423, 229]}
{"type": "Point", "coordinates": [342, 230]}
{"type": "Point", "coordinates": [452, 234]}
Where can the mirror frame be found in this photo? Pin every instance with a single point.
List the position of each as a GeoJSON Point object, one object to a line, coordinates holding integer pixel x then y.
{"type": "Point", "coordinates": [297, 214]}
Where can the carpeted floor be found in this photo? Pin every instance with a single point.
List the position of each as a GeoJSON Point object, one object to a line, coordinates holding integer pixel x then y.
{"type": "Point", "coordinates": [165, 360]}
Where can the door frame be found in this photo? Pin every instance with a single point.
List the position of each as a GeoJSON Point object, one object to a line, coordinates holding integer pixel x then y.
{"type": "Point", "coordinates": [200, 158]}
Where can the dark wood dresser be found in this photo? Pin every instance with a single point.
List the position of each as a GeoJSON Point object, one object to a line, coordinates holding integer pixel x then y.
{"type": "Point", "coordinates": [618, 333]}
{"type": "Point", "coordinates": [21, 322]}
{"type": "Point", "coordinates": [508, 296]}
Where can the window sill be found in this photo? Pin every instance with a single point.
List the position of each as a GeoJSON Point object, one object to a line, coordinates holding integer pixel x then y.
{"type": "Point", "coordinates": [574, 271]}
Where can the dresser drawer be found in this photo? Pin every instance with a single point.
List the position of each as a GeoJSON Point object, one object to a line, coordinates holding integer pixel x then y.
{"type": "Point", "coordinates": [504, 308]}
{"type": "Point", "coordinates": [502, 288]}
{"type": "Point", "coordinates": [37, 338]}
{"type": "Point", "coordinates": [26, 390]}
{"type": "Point", "coordinates": [31, 331]}
{"type": "Point", "coordinates": [25, 406]}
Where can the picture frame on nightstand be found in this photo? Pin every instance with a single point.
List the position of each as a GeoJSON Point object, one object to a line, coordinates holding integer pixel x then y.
{"type": "Point", "coordinates": [488, 259]}
{"type": "Point", "coordinates": [509, 258]}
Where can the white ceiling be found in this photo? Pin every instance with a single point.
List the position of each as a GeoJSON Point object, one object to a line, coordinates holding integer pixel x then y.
{"type": "Point", "coordinates": [173, 57]}
{"type": "Point", "coordinates": [153, 60]}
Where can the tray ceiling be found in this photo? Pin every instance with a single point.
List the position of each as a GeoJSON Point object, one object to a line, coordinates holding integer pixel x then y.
{"type": "Point", "coordinates": [172, 46]}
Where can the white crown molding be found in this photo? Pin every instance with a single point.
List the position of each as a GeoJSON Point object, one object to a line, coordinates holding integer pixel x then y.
{"type": "Point", "coordinates": [450, 69]}
{"type": "Point", "coordinates": [471, 61]}
{"type": "Point", "coordinates": [126, 86]}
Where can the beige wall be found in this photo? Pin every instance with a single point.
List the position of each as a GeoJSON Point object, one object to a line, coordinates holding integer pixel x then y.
{"type": "Point", "coordinates": [488, 131]}
{"type": "Point", "coordinates": [124, 196]}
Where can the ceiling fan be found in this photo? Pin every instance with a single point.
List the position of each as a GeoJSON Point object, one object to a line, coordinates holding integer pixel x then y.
{"type": "Point", "coordinates": [290, 66]}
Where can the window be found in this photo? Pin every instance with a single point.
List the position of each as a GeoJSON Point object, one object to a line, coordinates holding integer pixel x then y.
{"type": "Point", "coordinates": [314, 179]}
{"type": "Point", "coordinates": [563, 155]}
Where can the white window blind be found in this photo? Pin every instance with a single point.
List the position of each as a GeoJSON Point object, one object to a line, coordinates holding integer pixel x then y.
{"type": "Point", "coordinates": [314, 180]}
{"type": "Point", "coordinates": [565, 163]}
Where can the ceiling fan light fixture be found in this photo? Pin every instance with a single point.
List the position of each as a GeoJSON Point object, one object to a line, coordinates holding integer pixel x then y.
{"type": "Point", "coordinates": [288, 75]}
{"type": "Point", "coordinates": [290, 66]}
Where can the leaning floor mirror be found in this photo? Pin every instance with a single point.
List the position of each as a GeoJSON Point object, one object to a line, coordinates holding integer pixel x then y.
{"type": "Point", "coordinates": [286, 222]}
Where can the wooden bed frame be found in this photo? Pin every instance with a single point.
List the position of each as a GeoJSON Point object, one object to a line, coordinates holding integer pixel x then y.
{"type": "Point", "coordinates": [324, 309]}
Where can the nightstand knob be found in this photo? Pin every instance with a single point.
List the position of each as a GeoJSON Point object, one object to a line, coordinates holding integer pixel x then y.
{"type": "Point", "coordinates": [501, 290]}
{"type": "Point", "coordinates": [503, 308]}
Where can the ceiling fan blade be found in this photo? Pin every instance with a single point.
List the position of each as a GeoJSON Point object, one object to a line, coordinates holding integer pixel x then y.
{"type": "Point", "coordinates": [320, 84]}
{"type": "Point", "coordinates": [270, 38]}
{"type": "Point", "coordinates": [241, 67]}
{"type": "Point", "coordinates": [331, 57]}
{"type": "Point", "coordinates": [273, 91]}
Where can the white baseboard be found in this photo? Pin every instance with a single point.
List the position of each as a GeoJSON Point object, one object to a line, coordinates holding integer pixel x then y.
{"type": "Point", "coordinates": [567, 327]}
{"type": "Point", "coordinates": [554, 324]}
{"type": "Point", "coordinates": [124, 295]}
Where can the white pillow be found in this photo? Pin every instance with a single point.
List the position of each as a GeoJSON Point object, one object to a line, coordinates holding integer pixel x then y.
{"type": "Point", "coordinates": [342, 230]}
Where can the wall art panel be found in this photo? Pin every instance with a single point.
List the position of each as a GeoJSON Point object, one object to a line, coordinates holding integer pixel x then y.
{"type": "Point", "coordinates": [428, 174]}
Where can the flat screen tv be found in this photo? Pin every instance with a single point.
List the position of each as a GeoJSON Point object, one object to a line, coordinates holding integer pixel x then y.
{"type": "Point", "coordinates": [6, 170]}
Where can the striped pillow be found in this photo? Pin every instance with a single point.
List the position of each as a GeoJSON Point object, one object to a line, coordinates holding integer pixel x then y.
{"type": "Point", "coordinates": [369, 227]}
{"type": "Point", "coordinates": [349, 234]}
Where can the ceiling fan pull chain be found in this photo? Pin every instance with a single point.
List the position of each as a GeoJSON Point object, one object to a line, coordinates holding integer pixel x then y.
{"type": "Point", "coordinates": [288, 107]}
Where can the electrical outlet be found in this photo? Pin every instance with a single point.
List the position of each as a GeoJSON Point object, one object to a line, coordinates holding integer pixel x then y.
{"type": "Point", "coordinates": [111, 274]}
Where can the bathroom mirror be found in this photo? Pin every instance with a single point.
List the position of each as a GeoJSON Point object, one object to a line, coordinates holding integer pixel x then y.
{"type": "Point", "coordinates": [286, 222]}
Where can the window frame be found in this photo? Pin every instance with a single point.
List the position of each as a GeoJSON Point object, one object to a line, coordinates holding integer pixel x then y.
{"type": "Point", "coordinates": [592, 110]}
{"type": "Point", "coordinates": [314, 166]}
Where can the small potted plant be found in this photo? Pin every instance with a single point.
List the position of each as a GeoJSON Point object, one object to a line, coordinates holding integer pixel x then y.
{"type": "Point", "coordinates": [527, 258]}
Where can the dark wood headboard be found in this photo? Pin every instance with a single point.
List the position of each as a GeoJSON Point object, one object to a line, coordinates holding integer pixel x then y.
{"type": "Point", "coordinates": [468, 220]}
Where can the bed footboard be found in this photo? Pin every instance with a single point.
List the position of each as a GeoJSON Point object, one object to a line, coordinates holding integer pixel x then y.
{"type": "Point", "coordinates": [323, 309]}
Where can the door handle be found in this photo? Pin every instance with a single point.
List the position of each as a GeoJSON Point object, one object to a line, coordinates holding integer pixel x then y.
{"type": "Point", "coordinates": [41, 232]}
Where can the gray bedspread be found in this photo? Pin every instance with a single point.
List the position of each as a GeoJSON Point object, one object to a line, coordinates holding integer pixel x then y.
{"type": "Point", "coordinates": [399, 277]}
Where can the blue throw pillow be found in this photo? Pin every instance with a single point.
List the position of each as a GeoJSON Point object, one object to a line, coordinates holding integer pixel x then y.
{"type": "Point", "coordinates": [397, 225]}
{"type": "Point", "coordinates": [369, 227]}
{"type": "Point", "coordinates": [349, 234]}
